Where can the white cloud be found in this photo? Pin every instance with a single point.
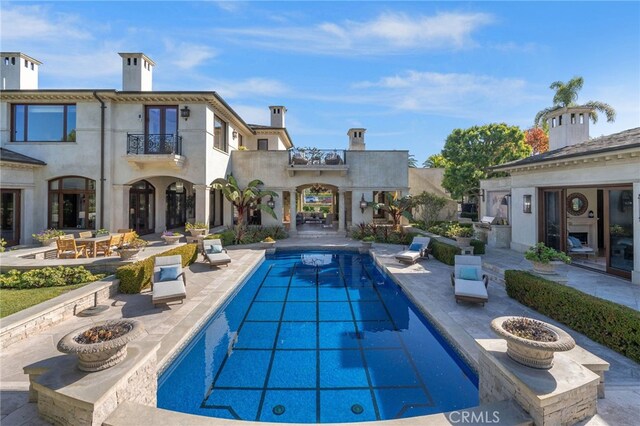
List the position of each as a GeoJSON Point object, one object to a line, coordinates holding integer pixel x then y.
{"type": "Point", "coordinates": [39, 23]}
{"type": "Point", "coordinates": [250, 87]}
{"type": "Point", "coordinates": [387, 33]}
{"type": "Point", "coordinates": [188, 55]}
{"type": "Point", "coordinates": [252, 114]}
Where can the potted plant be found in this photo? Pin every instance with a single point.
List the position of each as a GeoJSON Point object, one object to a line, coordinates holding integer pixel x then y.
{"type": "Point", "coordinates": [103, 345]}
{"type": "Point", "coordinates": [171, 237]}
{"type": "Point", "coordinates": [102, 232]}
{"type": "Point", "coordinates": [462, 234]}
{"type": "Point", "coordinates": [545, 258]}
{"type": "Point", "coordinates": [132, 249]}
{"type": "Point", "coordinates": [368, 241]}
{"type": "Point", "coordinates": [268, 242]}
{"type": "Point", "coordinates": [196, 228]}
{"type": "Point", "coordinates": [531, 342]}
{"type": "Point", "coordinates": [48, 236]}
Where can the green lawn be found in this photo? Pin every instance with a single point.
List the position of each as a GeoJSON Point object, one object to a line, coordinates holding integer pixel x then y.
{"type": "Point", "coordinates": [12, 301]}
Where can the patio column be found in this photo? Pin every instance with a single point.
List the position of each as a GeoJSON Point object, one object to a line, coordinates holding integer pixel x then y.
{"type": "Point", "coordinates": [635, 274]}
{"type": "Point", "coordinates": [341, 210]}
{"type": "Point", "coordinates": [202, 202]}
{"type": "Point", "coordinates": [118, 217]}
{"type": "Point", "coordinates": [292, 210]}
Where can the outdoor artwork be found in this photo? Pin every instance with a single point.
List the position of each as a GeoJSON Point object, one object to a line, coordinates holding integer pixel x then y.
{"type": "Point", "coordinates": [497, 206]}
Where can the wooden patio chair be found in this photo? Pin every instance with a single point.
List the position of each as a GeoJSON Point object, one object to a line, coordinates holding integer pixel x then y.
{"type": "Point", "coordinates": [127, 237]}
{"type": "Point", "coordinates": [107, 247]}
{"type": "Point", "coordinates": [124, 231]}
{"type": "Point", "coordinates": [67, 248]}
{"type": "Point", "coordinates": [87, 246]}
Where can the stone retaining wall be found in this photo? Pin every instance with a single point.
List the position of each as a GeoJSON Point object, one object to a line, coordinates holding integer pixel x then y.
{"type": "Point", "coordinates": [38, 318]}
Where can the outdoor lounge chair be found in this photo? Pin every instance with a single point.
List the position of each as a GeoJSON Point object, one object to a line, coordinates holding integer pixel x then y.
{"type": "Point", "coordinates": [168, 283]}
{"type": "Point", "coordinates": [67, 248]}
{"type": "Point", "coordinates": [575, 247]}
{"type": "Point", "coordinates": [419, 248]}
{"type": "Point", "coordinates": [212, 255]}
{"type": "Point", "coordinates": [469, 282]}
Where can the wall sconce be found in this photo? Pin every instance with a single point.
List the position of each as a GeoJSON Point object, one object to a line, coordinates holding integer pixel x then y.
{"type": "Point", "coordinates": [185, 113]}
{"type": "Point", "coordinates": [180, 186]}
{"type": "Point", "coordinates": [271, 203]}
{"type": "Point", "coordinates": [505, 201]}
{"type": "Point", "coordinates": [140, 118]}
{"type": "Point", "coordinates": [481, 194]}
{"type": "Point", "coordinates": [526, 204]}
{"type": "Point", "coordinates": [363, 204]}
{"type": "Point", "coordinates": [235, 135]}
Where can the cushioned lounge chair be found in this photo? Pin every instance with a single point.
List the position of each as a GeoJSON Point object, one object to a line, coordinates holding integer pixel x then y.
{"type": "Point", "coordinates": [419, 248]}
{"type": "Point", "coordinates": [168, 283]}
{"type": "Point", "coordinates": [469, 282]}
{"type": "Point", "coordinates": [214, 253]}
{"type": "Point", "coordinates": [575, 247]}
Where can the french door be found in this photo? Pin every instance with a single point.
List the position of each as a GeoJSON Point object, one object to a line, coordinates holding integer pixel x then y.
{"type": "Point", "coordinates": [552, 218]}
{"type": "Point", "coordinates": [142, 207]}
{"type": "Point", "coordinates": [176, 207]}
{"type": "Point", "coordinates": [10, 216]}
{"type": "Point", "coordinates": [161, 132]}
{"type": "Point", "coordinates": [618, 230]}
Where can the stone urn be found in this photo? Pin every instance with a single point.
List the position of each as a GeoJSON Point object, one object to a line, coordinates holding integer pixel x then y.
{"type": "Point", "coordinates": [49, 242]}
{"type": "Point", "coordinates": [527, 351]}
{"type": "Point", "coordinates": [463, 241]}
{"type": "Point", "coordinates": [110, 347]}
{"type": "Point", "coordinates": [268, 244]}
{"type": "Point", "coordinates": [171, 239]}
{"type": "Point", "coordinates": [128, 253]}
{"type": "Point", "coordinates": [198, 231]}
{"type": "Point", "coordinates": [367, 244]}
{"type": "Point", "coordinates": [548, 268]}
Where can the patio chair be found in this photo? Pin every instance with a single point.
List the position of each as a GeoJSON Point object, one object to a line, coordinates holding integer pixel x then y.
{"type": "Point", "coordinates": [214, 253]}
{"type": "Point", "coordinates": [419, 248]}
{"type": "Point", "coordinates": [107, 247]}
{"type": "Point", "coordinates": [124, 231]}
{"type": "Point", "coordinates": [67, 248]}
{"type": "Point", "coordinates": [127, 237]}
{"type": "Point", "coordinates": [469, 282]}
{"type": "Point", "coordinates": [168, 282]}
{"type": "Point", "coordinates": [299, 159]}
{"type": "Point", "coordinates": [575, 247]}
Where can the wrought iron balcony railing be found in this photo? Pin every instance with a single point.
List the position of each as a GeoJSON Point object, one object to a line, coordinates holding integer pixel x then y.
{"type": "Point", "coordinates": [316, 157]}
{"type": "Point", "coordinates": [169, 143]}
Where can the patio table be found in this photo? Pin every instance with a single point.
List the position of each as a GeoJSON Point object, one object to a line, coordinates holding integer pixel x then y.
{"type": "Point", "coordinates": [93, 242]}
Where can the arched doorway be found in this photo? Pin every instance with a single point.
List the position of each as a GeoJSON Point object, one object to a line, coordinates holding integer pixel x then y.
{"type": "Point", "coordinates": [142, 207]}
{"type": "Point", "coordinates": [176, 205]}
{"type": "Point", "coordinates": [317, 207]}
{"type": "Point", "coordinates": [72, 203]}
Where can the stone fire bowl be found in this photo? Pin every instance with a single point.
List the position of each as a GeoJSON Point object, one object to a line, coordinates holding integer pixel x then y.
{"type": "Point", "coordinates": [99, 356]}
{"type": "Point", "coordinates": [530, 352]}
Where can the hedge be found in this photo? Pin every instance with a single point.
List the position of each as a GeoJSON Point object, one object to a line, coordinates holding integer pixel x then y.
{"type": "Point", "coordinates": [478, 247]}
{"type": "Point", "coordinates": [610, 324]}
{"type": "Point", "coordinates": [444, 252]}
{"type": "Point", "coordinates": [135, 277]}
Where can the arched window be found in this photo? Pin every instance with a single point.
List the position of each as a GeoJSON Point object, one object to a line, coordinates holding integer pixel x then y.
{"type": "Point", "coordinates": [72, 203]}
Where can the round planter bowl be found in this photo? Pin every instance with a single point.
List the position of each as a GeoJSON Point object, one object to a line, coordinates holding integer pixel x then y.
{"type": "Point", "coordinates": [545, 268]}
{"type": "Point", "coordinates": [268, 244]}
{"type": "Point", "coordinates": [126, 254]}
{"type": "Point", "coordinates": [196, 232]}
{"type": "Point", "coordinates": [367, 244]}
{"type": "Point", "coordinates": [171, 239]}
{"type": "Point", "coordinates": [100, 356]}
{"type": "Point", "coordinates": [48, 242]}
{"type": "Point", "coordinates": [530, 352]}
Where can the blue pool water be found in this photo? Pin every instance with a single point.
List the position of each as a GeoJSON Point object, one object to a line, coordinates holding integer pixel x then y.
{"type": "Point", "coordinates": [317, 337]}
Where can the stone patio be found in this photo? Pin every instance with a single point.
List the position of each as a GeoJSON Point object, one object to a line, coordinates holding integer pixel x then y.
{"type": "Point", "coordinates": [427, 283]}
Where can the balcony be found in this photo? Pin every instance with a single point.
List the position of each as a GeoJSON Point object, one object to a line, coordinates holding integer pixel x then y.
{"type": "Point", "coordinates": [155, 149]}
{"type": "Point", "coordinates": [318, 161]}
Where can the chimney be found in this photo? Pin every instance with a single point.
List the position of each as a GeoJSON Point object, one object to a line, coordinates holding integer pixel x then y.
{"type": "Point", "coordinates": [18, 71]}
{"type": "Point", "coordinates": [278, 114]}
{"type": "Point", "coordinates": [568, 126]}
{"type": "Point", "coordinates": [137, 72]}
{"type": "Point", "coordinates": [356, 139]}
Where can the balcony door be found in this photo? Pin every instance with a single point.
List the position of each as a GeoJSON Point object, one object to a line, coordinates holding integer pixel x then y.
{"type": "Point", "coordinates": [161, 129]}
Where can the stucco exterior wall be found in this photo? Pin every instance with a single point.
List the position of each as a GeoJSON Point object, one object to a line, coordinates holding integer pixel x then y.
{"type": "Point", "coordinates": [430, 180]}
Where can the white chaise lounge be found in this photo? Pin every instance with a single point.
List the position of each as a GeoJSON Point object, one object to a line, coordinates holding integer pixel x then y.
{"type": "Point", "coordinates": [469, 282]}
{"type": "Point", "coordinates": [419, 248]}
{"type": "Point", "coordinates": [214, 253]}
{"type": "Point", "coordinates": [168, 283]}
{"type": "Point", "coordinates": [575, 247]}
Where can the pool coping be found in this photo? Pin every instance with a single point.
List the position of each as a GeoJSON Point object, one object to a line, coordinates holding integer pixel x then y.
{"type": "Point", "coordinates": [175, 341]}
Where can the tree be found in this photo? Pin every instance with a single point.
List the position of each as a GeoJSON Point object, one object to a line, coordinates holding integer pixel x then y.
{"type": "Point", "coordinates": [242, 199]}
{"type": "Point", "coordinates": [567, 95]}
{"type": "Point", "coordinates": [428, 206]}
{"type": "Point", "coordinates": [435, 161]}
{"type": "Point", "coordinates": [397, 207]}
{"type": "Point", "coordinates": [470, 153]}
{"type": "Point", "coordinates": [413, 163]}
{"type": "Point", "coordinates": [537, 139]}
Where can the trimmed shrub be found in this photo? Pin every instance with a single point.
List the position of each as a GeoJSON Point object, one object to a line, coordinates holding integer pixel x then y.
{"type": "Point", "coordinates": [608, 323]}
{"type": "Point", "coordinates": [469, 215]}
{"type": "Point", "coordinates": [444, 252]}
{"type": "Point", "coordinates": [137, 276]}
{"type": "Point", "coordinates": [478, 247]}
{"type": "Point", "coordinates": [47, 277]}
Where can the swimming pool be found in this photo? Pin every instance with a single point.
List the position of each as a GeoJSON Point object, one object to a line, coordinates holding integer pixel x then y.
{"type": "Point", "coordinates": [317, 337]}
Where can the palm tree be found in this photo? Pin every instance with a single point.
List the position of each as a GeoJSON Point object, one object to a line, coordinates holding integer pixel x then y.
{"type": "Point", "coordinates": [242, 199]}
{"type": "Point", "coordinates": [396, 207]}
{"type": "Point", "coordinates": [435, 161]}
{"type": "Point", "coordinates": [567, 95]}
{"type": "Point", "coordinates": [413, 163]}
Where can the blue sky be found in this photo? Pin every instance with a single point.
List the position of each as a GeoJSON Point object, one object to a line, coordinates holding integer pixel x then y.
{"type": "Point", "coordinates": [409, 72]}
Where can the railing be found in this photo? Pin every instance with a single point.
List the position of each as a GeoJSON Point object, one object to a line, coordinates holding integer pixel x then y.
{"type": "Point", "coordinates": [169, 143]}
{"type": "Point", "coordinates": [314, 157]}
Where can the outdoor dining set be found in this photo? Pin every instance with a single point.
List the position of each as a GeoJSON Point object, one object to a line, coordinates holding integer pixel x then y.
{"type": "Point", "coordinates": [89, 244]}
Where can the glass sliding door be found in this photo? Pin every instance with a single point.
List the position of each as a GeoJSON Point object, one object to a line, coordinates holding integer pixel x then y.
{"type": "Point", "coordinates": [10, 216]}
{"type": "Point", "coordinates": [619, 231]}
{"type": "Point", "coordinates": [141, 207]}
{"type": "Point", "coordinates": [552, 218]}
